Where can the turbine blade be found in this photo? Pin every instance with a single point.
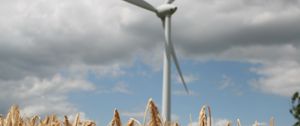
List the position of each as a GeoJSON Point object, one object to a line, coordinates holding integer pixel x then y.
{"type": "Point", "coordinates": [177, 66]}
{"type": "Point", "coordinates": [142, 4]}
{"type": "Point", "coordinates": [169, 1]}
{"type": "Point", "coordinates": [170, 49]}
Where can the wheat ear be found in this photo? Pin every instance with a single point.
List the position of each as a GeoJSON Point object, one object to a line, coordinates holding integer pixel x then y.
{"type": "Point", "coordinates": [116, 121]}
{"type": "Point", "coordinates": [209, 116]}
{"type": "Point", "coordinates": [76, 120]}
{"type": "Point", "coordinates": [202, 117]}
{"type": "Point", "coordinates": [272, 122]}
{"type": "Point", "coordinates": [155, 119]}
{"type": "Point", "coordinates": [228, 123]}
{"type": "Point", "coordinates": [238, 122]}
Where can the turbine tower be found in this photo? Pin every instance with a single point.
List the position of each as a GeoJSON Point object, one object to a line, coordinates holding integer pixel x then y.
{"type": "Point", "coordinates": [165, 12]}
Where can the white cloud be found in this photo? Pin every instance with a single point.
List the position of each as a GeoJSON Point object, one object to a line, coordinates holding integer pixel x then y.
{"type": "Point", "coordinates": [215, 122]}
{"type": "Point", "coordinates": [220, 122]}
{"type": "Point", "coordinates": [175, 117]}
{"type": "Point", "coordinates": [279, 78]}
{"type": "Point", "coordinates": [256, 123]}
{"type": "Point", "coordinates": [43, 96]}
{"type": "Point", "coordinates": [277, 70]}
{"type": "Point", "coordinates": [193, 124]}
{"type": "Point", "coordinates": [137, 115]}
{"type": "Point", "coordinates": [187, 78]}
{"type": "Point", "coordinates": [121, 87]}
{"type": "Point", "coordinates": [184, 93]}
{"type": "Point", "coordinates": [226, 82]}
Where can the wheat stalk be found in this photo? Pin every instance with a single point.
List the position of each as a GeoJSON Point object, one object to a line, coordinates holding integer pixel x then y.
{"type": "Point", "coordinates": [155, 119]}
{"type": "Point", "coordinates": [272, 122]}
{"type": "Point", "coordinates": [32, 121]}
{"type": "Point", "coordinates": [191, 120]}
{"type": "Point", "coordinates": [209, 116]}
{"type": "Point", "coordinates": [1, 120]}
{"type": "Point", "coordinates": [238, 122]}
{"type": "Point", "coordinates": [176, 124]}
{"type": "Point", "coordinates": [66, 121]}
{"type": "Point", "coordinates": [7, 120]}
{"type": "Point", "coordinates": [133, 121]}
{"type": "Point", "coordinates": [116, 121]}
{"type": "Point", "coordinates": [89, 123]}
{"type": "Point", "coordinates": [76, 121]}
{"type": "Point", "coordinates": [130, 122]}
{"type": "Point", "coordinates": [228, 123]}
{"type": "Point", "coordinates": [202, 117]}
{"type": "Point", "coordinates": [256, 123]}
{"type": "Point", "coordinates": [13, 118]}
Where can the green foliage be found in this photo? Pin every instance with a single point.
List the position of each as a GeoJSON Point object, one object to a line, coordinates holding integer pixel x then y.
{"type": "Point", "coordinates": [295, 111]}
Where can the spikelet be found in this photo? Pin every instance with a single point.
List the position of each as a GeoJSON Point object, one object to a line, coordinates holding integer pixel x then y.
{"type": "Point", "coordinates": [176, 124]}
{"type": "Point", "coordinates": [191, 120]}
{"type": "Point", "coordinates": [202, 117]}
{"type": "Point", "coordinates": [76, 121]}
{"type": "Point", "coordinates": [155, 119]}
{"type": "Point", "coordinates": [209, 116]}
{"type": "Point", "coordinates": [130, 122]}
{"type": "Point", "coordinates": [238, 122]}
{"type": "Point", "coordinates": [66, 121]}
{"type": "Point", "coordinates": [7, 120]}
{"type": "Point", "coordinates": [89, 123]}
{"type": "Point", "coordinates": [133, 122]}
{"type": "Point", "coordinates": [33, 120]}
{"type": "Point", "coordinates": [15, 116]}
{"type": "Point", "coordinates": [45, 122]}
{"type": "Point", "coordinates": [1, 120]}
{"type": "Point", "coordinates": [116, 121]}
{"type": "Point", "coordinates": [272, 122]}
{"type": "Point", "coordinates": [256, 123]}
{"type": "Point", "coordinates": [228, 123]}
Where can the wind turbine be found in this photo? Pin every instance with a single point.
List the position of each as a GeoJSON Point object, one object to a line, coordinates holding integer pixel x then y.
{"type": "Point", "coordinates": [165, 12]}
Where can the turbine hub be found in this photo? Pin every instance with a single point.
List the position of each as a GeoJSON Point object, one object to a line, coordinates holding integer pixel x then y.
{"type": "Point", "coordinates": [166, 9]}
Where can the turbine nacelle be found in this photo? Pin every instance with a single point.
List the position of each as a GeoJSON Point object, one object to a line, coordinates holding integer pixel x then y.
{"type": "Point", "coordinates": [165, 9]}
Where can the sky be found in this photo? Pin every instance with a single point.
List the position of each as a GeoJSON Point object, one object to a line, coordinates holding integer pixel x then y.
{"type": "Point", "coordinates": [240, 57]}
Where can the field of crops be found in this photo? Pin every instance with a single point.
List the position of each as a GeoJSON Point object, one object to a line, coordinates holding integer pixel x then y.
{"type": "Point", "coordinates": [13, 118]}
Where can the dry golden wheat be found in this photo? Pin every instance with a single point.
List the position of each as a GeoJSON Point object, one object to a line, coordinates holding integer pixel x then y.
{"type": "Point", "coordinates": [155, 119]}
{"type": "Point", "coordinates": [116, 121]}
{"type": "Point", "coordinates": [202, 117]}
{"type": "Point", "coordinates": [209, 116]}
{"type": "Point", "coordinates": [132, 122]}
{"type": "Point", "coordinates": [238, 122]}
{"type": "Point", "coordinates": [228, 123]}
{"type": "Point", "coordinates": [66, 121]}
{"type": "Point", "coordinates": [272, 123]}
{"type": "Point", "coordinates": [13, 118]}
{"type": "Point", "coordinates": [256, 123]}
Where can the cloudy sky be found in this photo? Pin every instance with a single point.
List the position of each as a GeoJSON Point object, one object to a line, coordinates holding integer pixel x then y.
{"type": "Point", "coordinates": [241, 57]}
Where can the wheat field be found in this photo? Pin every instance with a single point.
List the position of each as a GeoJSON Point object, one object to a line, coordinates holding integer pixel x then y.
{"type": "Point", "coordinates": [13, 118]}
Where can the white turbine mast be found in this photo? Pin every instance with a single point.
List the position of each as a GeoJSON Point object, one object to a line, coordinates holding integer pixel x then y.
{"type": "Point", "coordinates": [164, 12]}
